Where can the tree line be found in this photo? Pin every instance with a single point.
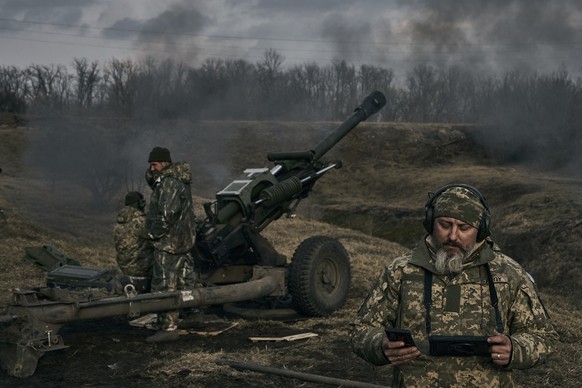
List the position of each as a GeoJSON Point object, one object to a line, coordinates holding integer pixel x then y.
{"type": "Point", "coordinates": [237, 89]}
{"type": "Point", "coordinates": [522, 115]}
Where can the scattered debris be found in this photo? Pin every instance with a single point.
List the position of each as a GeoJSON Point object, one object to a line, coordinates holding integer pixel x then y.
{"type": "Point", "coordinates": [113, 366]}
{"type": "Point", "coordinates": [297, 375]}
{"type": "Point", "coordinates": [293, 337]}
{"type": "Point", "coordinates": [148, 321]}
{"type": "Point", "coordinates": [213, 328]}
{"type": "Point", "coordinates": [205, 328]}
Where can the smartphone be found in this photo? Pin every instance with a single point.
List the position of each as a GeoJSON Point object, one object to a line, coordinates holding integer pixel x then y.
{"type": "Point", "coordinates": [403, 335]}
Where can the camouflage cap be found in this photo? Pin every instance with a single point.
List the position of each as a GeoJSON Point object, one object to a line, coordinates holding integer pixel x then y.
{"type": "Point", "coordinates": [460, 203]}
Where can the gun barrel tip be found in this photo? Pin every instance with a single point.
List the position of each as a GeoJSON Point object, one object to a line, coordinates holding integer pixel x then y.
{"type": "Point", "coordinates": [379, 98]}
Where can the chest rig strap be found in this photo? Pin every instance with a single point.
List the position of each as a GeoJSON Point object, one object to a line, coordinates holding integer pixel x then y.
{"type": "Point", "coordinates": [427, 300]}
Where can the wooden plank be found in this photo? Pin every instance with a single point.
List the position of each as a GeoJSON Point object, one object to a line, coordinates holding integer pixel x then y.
{"type": "Point", "coordinates": [213, 328]}
{"type": "Point", "coordinates": [293, 337]}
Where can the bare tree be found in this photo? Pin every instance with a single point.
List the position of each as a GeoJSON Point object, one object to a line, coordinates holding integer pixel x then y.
{"type": "Point", "coordinates": [13, 90]}
{"type": "Point", "coordinates": [50, 88]}
{"type": "Point", "coordinates": [121, 86]}
{"type": "Point", "coordinates": [175, 95]}
{"type": "Point", "coordinates": [240, 78]}
{"type": "Point", "coordinates": [270, 81]}
{"type": "Point", "coordinates": [344, 87]}
{"type": "Point", "coordinates": [424, 86]}
{"type": "Point", "coordinates": [460, 95]}
{"type": "Point", "coordinates": [86, 81]}
{"type": "Point", "coordinates": [317, 92]}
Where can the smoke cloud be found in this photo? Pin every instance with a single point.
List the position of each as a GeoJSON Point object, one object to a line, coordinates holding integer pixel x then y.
{"type": "Point", "coordinates": [496, 35]}
{"type": "Point", "coordinates": [170, 34]}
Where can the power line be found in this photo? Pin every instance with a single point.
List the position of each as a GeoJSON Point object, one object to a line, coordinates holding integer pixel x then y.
{"type": "Point", "coordinates": [198, 45]}
{"type": "Point", "coordinates": [180, 34]}
{"type": "Point", "coordinates": [222, 47]}
{"type": "Point", "coordinates": [279, 39]}
{"type": "Point", "coordinates": [204, 50]}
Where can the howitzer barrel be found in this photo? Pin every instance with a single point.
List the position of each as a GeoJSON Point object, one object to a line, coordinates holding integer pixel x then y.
{"type": "Point", "coordinates": [30, 327]}
{"type": "Point", "coordinates": [371, 104]}
{"type": "Point", "coordinates": [60, 313]}
{"type": "Point", "coordinates": [292, 155]}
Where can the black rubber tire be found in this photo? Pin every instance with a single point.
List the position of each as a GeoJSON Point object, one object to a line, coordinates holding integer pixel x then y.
{"type": "Point", "coordinates": [320, 276]}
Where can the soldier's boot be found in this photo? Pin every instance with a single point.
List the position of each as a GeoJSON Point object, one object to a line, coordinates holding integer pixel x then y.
{"type": "Point", "coordinates": [164, 336]}
{"type": "Point", "coordinates": [191, 318]}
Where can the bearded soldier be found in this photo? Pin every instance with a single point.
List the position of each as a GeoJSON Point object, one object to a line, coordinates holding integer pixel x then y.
{"type": "Point", "coordinates": [170, 224]}
{"type": "Point", "coordinates": [473, 313]}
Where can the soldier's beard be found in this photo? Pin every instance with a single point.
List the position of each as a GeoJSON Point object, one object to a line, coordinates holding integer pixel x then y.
{"type": "Point", "coordinates": [450, 263]}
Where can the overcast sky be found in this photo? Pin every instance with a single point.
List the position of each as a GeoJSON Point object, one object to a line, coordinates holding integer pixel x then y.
{"type": "Point", "coordinates": [487, 34]}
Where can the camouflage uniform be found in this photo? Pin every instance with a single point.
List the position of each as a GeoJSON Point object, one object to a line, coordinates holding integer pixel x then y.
{"type": "Point", "coordinates": [461, 305]}
{"type": "Point", "coordinates": [170, 222]}
{"type": "Point", "coordinates": [134, 252]}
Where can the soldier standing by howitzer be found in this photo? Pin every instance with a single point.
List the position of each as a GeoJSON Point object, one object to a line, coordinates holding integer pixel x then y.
{"type": "Point", "coordinates": [170, 225]}
{"type": "Point", "coordinates": [473, 312]}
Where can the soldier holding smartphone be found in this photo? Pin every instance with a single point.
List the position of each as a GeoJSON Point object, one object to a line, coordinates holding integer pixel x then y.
{"type": "Point", "coordinates": [455, 311]}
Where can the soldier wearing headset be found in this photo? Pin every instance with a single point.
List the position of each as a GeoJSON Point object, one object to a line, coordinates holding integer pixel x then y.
{"type": "Point", "coordinates": [472, 313]}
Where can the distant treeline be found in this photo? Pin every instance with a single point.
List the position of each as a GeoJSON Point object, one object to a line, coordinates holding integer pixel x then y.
{"type": "Point", "coordinates": [525, 112]}
{"type": "Point", "coordinates": [238, 89]}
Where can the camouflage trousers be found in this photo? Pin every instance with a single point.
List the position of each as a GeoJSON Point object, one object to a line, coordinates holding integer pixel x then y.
{"type": "Point", "coordinates": [140, 266]}
{"type": "Point", "coordinates": [171, 273]}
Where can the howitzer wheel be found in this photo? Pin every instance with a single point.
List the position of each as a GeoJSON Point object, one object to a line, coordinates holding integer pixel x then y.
{"type": "Point", "coordinates": [320, 276]}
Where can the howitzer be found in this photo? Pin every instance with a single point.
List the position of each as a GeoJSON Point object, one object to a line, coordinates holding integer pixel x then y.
{"type": "Point", "coordinates": [233, 261]}
{"type": "Point", "coordinates": [249, 204]}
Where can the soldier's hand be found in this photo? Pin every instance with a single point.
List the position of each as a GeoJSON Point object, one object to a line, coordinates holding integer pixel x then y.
{"type": "Point", "coordinates": [501, 349]}
{"type": "Point", "coordinates": [397, 353]}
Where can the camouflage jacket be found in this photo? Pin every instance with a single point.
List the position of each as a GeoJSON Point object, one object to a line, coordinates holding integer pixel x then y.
{"type": "Point", "coordinates": [133, 250]}
{"type": "Point", "coordinates": [461, 305]}
{"type": "Point", "coordinates": [170, 220]}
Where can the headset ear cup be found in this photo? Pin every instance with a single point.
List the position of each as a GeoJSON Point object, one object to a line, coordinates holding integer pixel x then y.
{"type": "Point", "coordinates": [428, 218]}
{"type": "Point", "coordinates": [141, 203]}
{"type": "Point", "coordinates": [484, 230]}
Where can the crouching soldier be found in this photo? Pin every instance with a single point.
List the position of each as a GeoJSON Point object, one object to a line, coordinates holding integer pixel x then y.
{"type": "Point", "coordinates": [134, 251]}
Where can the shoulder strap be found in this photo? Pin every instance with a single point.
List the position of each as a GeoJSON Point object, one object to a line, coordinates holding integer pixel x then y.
{"type": "Point", "coordinates": [494, 299]}
{"type": "Point", "coordinates": [427, 301]}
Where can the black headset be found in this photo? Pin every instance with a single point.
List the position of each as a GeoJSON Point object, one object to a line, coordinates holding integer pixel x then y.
{"type": "Point", "coordinates": [142, 202]}
{"type": "Point", "coordinates": [483, 230]}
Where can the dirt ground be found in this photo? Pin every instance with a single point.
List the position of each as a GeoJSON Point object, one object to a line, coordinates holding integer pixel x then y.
{"type": "Point", "coordinates": [373, 205]}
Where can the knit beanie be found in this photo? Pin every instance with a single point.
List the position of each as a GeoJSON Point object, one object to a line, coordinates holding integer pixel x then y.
{"type": "Point", "coordinates": [133, 197]}
{"type": "Point", "coordinates": [160, 154]}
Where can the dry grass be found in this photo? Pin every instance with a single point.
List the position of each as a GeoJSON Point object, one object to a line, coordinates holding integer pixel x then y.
{"type": "Point", "coordinates": [537, 217]}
